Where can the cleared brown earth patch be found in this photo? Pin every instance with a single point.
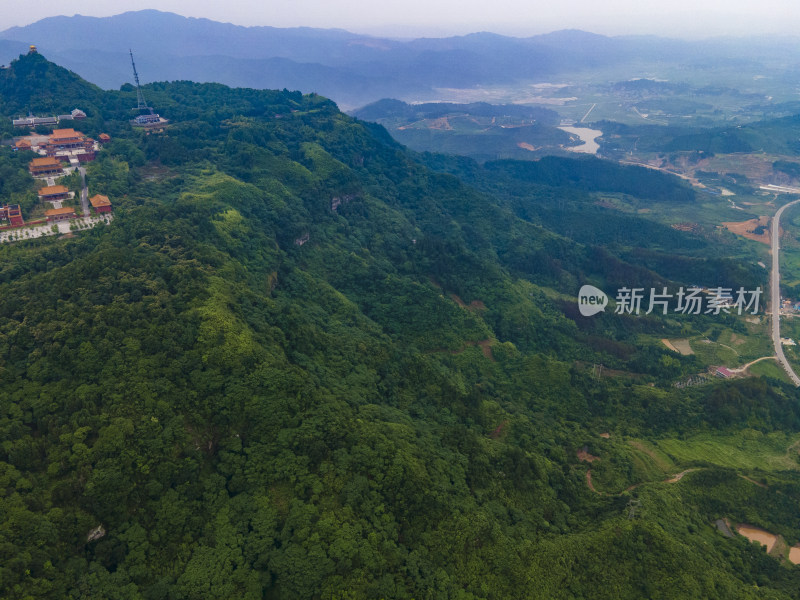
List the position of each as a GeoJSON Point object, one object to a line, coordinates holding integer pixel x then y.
{"type": "Point", "coordinates": [458, 300]}
{"type": "Point", "coordinates": [584, 456]}
{"type": "Point", "coordinates": [669, 345]}
{"type": "Point", "coordinates": [440, 123]}
{"type": "Point", "coordinates": [589, 482]}
{"type": "Point", "coordinates": [753, 166]}
{"type": "Point", "coordinates": [683, 346]}
{"type": "Point", "coordinates": [474, 305]}
{"type": "Point", "coordinates": [678, 476]}
{"type": "Point", "coordinates": [688, 227]}
{"type": "Point", "coordinates": [747, 229]}
{"type": "Point", "coordinates": [498, 431]}
{"type": "Point", "coordinates": [486, 348]}
{"type": "Point", "coordinates": [527, 146]}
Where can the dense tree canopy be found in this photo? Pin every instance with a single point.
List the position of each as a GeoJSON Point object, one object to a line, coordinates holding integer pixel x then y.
{"type": "Point", "coordinates": [301, 364]}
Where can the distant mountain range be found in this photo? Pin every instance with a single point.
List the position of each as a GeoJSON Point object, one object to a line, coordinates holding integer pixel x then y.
{"type": "Point", "coordinates": [352, 69]}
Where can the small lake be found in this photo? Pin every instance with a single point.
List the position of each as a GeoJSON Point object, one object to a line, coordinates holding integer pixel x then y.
{"type": "Point", "coordinates": [587, 136]}
{"type": "Point", "coordinates": [754, 534]}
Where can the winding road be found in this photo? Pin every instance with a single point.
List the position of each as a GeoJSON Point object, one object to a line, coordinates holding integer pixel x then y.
{"type": "Point", "coordinates": [775, 293]}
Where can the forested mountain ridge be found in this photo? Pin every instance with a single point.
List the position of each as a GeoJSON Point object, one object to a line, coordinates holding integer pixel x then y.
{"type": "Point", "coordinates": [299, 363]}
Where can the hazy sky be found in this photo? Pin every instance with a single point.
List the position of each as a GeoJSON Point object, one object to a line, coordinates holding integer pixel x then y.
{"type": "Point", "coordinates": [679, 18]}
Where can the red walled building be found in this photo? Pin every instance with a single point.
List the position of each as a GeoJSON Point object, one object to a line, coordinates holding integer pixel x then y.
{"type": "Point", "coordinates": [101, 203]}
{"type": "Point", "coordinates": [53, 192]}
{"type": "Point", "coordinates": [13, 214]}
{"type": "Point", "coordinates": [54, 215]}
{"type": "Point", "coordinates": [45, 166]}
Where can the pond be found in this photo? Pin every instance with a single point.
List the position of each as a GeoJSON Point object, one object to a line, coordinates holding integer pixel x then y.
{"type": "Point", "coordinates": [754, 534]}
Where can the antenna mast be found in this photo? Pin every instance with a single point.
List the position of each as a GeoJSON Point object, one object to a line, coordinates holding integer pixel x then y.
{"type": "Point", "coordinates": [142, 105]}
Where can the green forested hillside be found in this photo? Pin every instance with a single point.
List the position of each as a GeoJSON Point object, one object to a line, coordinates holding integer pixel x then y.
{"type": "Point", "coordinates": [479, 130]}
{"type": "Point", "coordinates": [301, 364]}
{"type": "Point", "coordinates": [773, 136]}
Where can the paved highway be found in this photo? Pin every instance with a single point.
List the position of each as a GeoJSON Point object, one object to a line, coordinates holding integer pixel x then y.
{"type": "Point", "coordinates": [775, 293]}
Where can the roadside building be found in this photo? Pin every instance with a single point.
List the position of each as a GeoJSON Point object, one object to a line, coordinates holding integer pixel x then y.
{"type": "Point", "coordinates": [101, 203]}
{"type": "Point", "coordinates": [48, 165]}
{"type": "Point", "coordinates": [55, 215]}
{"type": "Point", "coordinates": [724, 372]}
{"type": "Point", "coordinates": [53, 193]}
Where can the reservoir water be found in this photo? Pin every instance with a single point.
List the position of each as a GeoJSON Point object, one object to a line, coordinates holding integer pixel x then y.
{"type": "Point", "coordinates": [587, 136]}
{"type": "Point", "coordinates": [754, 534]}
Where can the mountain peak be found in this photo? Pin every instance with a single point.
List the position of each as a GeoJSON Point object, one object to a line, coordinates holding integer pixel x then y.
{"type": "Point", "coordinates": [33, 83]}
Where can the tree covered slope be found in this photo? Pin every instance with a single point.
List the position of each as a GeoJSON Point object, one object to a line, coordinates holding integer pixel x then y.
{"type": "Point", "coordinates": [301, 364]}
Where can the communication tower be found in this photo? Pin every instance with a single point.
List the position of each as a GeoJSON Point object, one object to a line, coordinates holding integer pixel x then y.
{"type": "Point", "coordinates": [147, 116]}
